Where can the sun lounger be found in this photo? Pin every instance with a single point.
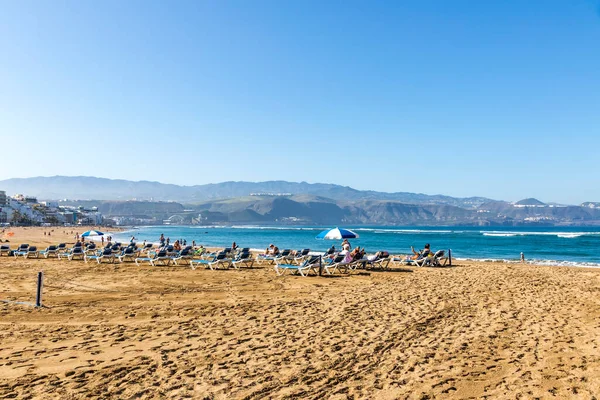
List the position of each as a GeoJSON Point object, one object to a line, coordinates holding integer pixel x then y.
{"type": "Point", "coordinates": [243, 260]}
{"type": "Point", "coordinates": [272, 259]}
{"type": "Point", "coordinates": [21, 250]}
{"type": "Point", "coordinates": [75, 253]}
{"type": "Point", "coordinates": [300, 256]}
{"type": "Point", "coordinates": [210, 256]}
{"type": "Point", "coordinates": [381, 260]}
{"type": "Point", "coordinates": [50, 251]}
{"type": "Point", "coordinates": [128, 254]}
{"type": "Point", "coordinates": [439, 259]}
{"type": "Point", "coordinates": [106, 254]}
{"type": "Point", "coordinates": [285, 255]}
{"type": "Point", "coordinates": [147, 248]}
{"type": "Point", "coordinates": [338, 265]}
{"type": "Point", "coordinates": [5, 249]}
{"type": "Point", "coordinates": [220, 260]}
{"type": "Point", "coordinates": [185, 254]}
{"type": "Point", "coordinates": [418, 262]}
{"type": "Point", "coordinates": [160, 258]}
{"type": "Point", "coordinates": [32, 252]}
{"type": "Point", "coordinates": [264, 258]}
{"type": "Point", "coordinates": [309, 265]}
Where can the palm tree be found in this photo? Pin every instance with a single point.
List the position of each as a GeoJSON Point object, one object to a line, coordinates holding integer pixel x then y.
{"type": "Point", "coordinates": [16, 217]}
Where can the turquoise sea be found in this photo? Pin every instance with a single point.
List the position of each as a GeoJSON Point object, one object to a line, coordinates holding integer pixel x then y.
{"type": "Point", "coordinates": [553, 246]}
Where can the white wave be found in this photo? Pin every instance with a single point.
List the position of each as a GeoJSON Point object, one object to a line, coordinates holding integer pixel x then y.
{"type": "Point", "coordinates": [569, 235]}
{"type": "Point", "coordinates": [550, 263]}
{"type": "Point", "coordinates": [411, 231]}
{"type": "Point", "coordinates": [277, 228]}
{"type": "Point", "coordinates": [254, 227]}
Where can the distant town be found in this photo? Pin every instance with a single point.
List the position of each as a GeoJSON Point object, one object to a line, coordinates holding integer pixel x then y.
{"type": "Point", "coordinates": [27, 210]}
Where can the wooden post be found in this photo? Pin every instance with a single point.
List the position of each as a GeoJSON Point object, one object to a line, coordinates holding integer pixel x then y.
{"type": "Point", "coordinates": [320, 265]}
{"type": "Point", "coordinates": [40, 284]}
{"type": "Point", "coordinates": [449, 257]}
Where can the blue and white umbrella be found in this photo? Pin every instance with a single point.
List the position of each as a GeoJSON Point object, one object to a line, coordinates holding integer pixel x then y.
{"type": "Point", "coordinates": [92, 233]}
{"type": "Point", "coordinates": [337, 233]}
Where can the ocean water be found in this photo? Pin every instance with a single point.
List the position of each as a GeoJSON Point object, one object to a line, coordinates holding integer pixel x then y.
{"type": "Point", "coordinates": [551, 246]}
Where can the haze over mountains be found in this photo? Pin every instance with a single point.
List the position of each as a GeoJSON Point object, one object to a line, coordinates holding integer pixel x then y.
{"type": "Point", "coordinates": [292, 203]}
{"type": "Point", "coordinates": [91, 188]}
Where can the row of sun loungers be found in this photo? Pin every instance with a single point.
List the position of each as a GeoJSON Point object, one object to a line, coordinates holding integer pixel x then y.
{"type": "Point", "coordinates": [301, 262]}
{"type": "Point", "coordinates": [437, 259]}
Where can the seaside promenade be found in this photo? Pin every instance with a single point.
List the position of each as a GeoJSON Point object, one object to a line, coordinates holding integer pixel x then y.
{"type": "Point", "coordinates": [124, 331]}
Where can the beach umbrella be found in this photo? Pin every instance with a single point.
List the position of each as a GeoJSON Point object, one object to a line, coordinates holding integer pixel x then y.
{"type": "Point", "coordinates": [92, 233]}
{"type": "Point", "coordinates": [337, 233]}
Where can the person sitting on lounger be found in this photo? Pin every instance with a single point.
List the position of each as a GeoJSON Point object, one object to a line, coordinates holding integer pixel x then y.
{"type": "Point", "coordinates": [417, 256]}
{"type": "Point", "coordinates": [356, 254]}
{"type": "Point", "coordinates": [177, 246]}
{"type": "Point", "coordinates": [269, 250]}
{"type": "Point", "coordinates": [346, 245]}
{"type": "Point", "coordinates": [348, 257]}
{"type": "Point", "coordinates": [272, 250]}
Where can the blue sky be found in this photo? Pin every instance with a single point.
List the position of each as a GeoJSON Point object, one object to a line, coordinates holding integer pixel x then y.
{"type": "Point", "coordinates": [498, 99]}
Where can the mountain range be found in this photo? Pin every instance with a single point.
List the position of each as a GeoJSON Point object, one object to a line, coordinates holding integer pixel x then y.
{"type": "Point", "coordinates": [283, 202]}
{"type": "Point", "coordinates": [88, 188]}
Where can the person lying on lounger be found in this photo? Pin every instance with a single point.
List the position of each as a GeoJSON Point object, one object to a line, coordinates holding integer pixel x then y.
{"type": "Point", "coordinates": [199, 251]}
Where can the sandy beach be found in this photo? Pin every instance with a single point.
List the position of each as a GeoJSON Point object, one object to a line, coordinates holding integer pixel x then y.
{"type": "Point", "coordinates": [123, 331]}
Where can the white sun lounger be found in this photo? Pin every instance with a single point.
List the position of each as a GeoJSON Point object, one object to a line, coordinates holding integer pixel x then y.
{"type": "Point", "coordinates": [309, 265]}
{"type": "Point", "coordinates": [220, 260]}
{"type": "Point", "coordinates": [106, 254]}
{"type": "Point", "coordinates": [243, 260]}
{"type": "Point", "coordinates": [160, 258]}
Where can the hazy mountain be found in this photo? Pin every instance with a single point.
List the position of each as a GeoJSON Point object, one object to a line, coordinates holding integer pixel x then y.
{"type": "Point", "coordinates": [315, 210]}
{"type": "Point", "coordinates": [294, 203]}
{"type": "Point", "coordinates": [81, 187]}
{"type": "Point", "coordinates": [529, 202]}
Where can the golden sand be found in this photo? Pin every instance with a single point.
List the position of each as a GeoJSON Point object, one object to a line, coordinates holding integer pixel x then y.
{"type": "Point", "coordinates": [124, 331]}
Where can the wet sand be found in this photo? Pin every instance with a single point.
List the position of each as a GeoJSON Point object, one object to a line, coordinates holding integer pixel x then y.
{"type": "Point", "coordinates": [125, 331]}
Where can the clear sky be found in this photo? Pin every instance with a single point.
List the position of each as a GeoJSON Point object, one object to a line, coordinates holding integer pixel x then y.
{"type": "Point", "coordinates": [491, 98]}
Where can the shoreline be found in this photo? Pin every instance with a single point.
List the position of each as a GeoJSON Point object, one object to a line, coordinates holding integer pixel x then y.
{"type": "Point", "coordinates": [35, 237]}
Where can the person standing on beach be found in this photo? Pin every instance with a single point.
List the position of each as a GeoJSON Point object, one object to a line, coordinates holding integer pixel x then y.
{"type": "Point", "coordinates": [522, 258]}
